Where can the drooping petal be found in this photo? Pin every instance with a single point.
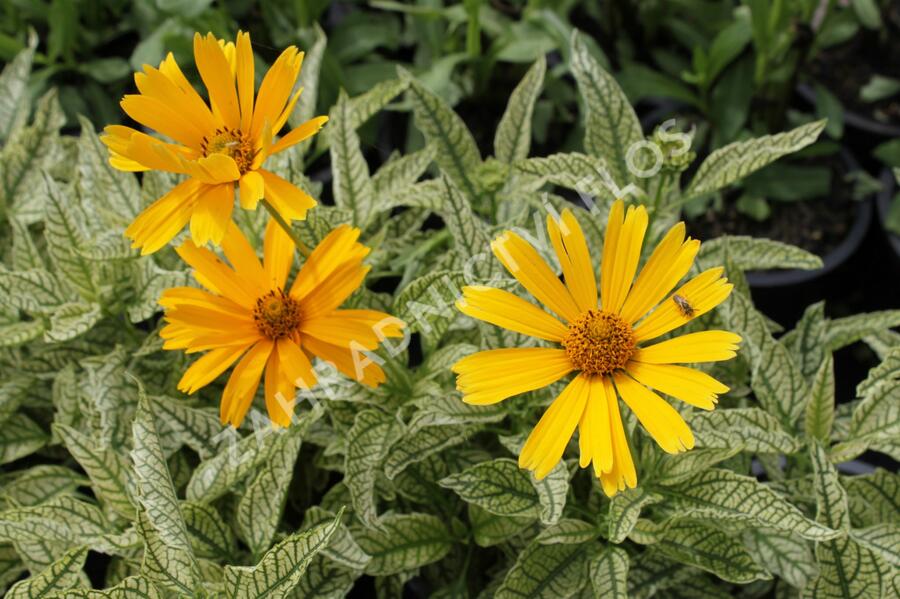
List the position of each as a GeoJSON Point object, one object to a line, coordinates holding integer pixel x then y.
{"type": "Point", "coordinates": [252, 189]}
{"type": "Point", "coordinates": [668, 264]}
{"type": "Point", "coordinates": [208, 367]}
{"type": "Point", "coordinates": [490, 376]}
{"type": "Point", "coordinates": [594, 433]}
{"type": "Point", "coordinates": [622, 475]}
{"type": "Point", "coordinates": [243, 383]}
{"type": "Point", "coordinates": [363, 329]}
{"type": "Point", "coordinates": [621, 254]}
{"type": "Point", "coordinates": [161, 117]}
{"type": "Point", "coordinates": [687, 384]}
{"type": "Point", "coordinates": [161, 221]}
{"type": "Point", "coordinates": [509, 311]}
{"type": "Point", "coordinates": [290, 201]}
{"type": "Point", "coordinates": [333, 291]}
{"type": "Point", "coordinates": [661, 420]}
{"type": "Point", "coordinates": [547, 442]}
{"type": "Point", "coordinates": [296, 365]}
{"type": "Point", "coordinates": [704, 346]}
{"type": "Point", "coordinates": [212, 214]}
{"type": "Point", "coordinates": [279, 392]}
{"type": "Point", "coordinates": [702, 293]}
{"type": "Point", "coordinates": [575, 258]}
{"type": "Point", "coordinates": [526, 265]}
{"type": "Point", "coordinates": [351, 362]}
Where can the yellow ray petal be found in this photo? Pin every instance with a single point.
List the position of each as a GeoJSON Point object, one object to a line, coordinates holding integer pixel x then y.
{"type": "Point", "coordinates": [154, 83]}
{"type": "Point", "coordinates": [298, 134]}
{"type": "Point", "coordinates": [703, 293]}
{"type": "Point", "coordinates": [594, 434]}
{"type": "Point", "coordinates": [275, 89]}
{"type": "Point", "coordinates": [574, 258]}
{"type": "Point", "coordinates": [670, 261]}
{"type": "Point", "coordinates": [624, 252]}
{"type": "Point", "coordinates": [333, 291]}
{"type": "Point", "coordinates": [336, 249]}
{"type": "Point", "coordinates": [296, 365]}
{"type": "Point", "coordinates": [290, 201]}
{"type": "Point", "coordinates": [252, 188]}
{"type": "Point", "coordinates": [352, 363]}
{"type": "Point", "coordinates": [622, 475]}
{"type": "Point", "coordinates": [687, 384]}
{"type": "Point", "coordinates": [245, 80]}
{"type": "Point", "coordinates": [509, 311]}
{"type": "Point", "coordinates": [547, 442]}
{"type": "Point", "coordinates": [661, 420]}
{"type": "Point", "coordinates": [243, 383]}
{"type": "Point", "coordinates": [146, 150]}
{"type": "Point", "coordinates": [216, 73]}
{"type": "Point", "coordinates": [243, 258]}
{"type": "Point", "coordinates": [212, 214]}
{"type": "Point", "coordinates": [208, 367]}
{"type": "Point", "coordinates": [279, 392]}
{"type": "Point", "coordinates": [526, 265]}
{"type": "Point", "coordinates": [278, 255]}
{"type": "Point", "coordinates": [161, 117]}
{"type": "Point", "coordinates": [352, 328]}
{"type": "Point", "coordinates": [213, 274]}
{"type": "Point", "coordinates": [158, 224]}
{"type": "Point", "coordinates": [704, 346]}
{"type": "Point", "coordinates": [493, 375]}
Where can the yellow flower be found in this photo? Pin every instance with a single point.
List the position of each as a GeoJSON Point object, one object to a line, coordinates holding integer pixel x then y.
{"type": "Point", "coordinates": [605, 341]}
{"type": "Point", "coordinates": [248, 312]}
{"type": "Point", "coordinates": [217, 146]}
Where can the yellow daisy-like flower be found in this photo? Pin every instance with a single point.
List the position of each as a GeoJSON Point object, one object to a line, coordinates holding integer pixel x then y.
{"type": "Point", "coordinates": [218, 146]}
{"type": "Point", "coordinates": [606, 341]}
{"type": "Point", "coordinates": [248, 312]}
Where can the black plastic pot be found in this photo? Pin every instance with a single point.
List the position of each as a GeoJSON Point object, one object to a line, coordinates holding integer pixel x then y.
{"type": "Point", "coordinates": [883, 204]}
{"type": "Point", "coordinates": [853, 119]}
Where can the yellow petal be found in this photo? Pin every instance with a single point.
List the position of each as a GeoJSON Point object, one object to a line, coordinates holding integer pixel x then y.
{"type": "Point", "coordinates": [349, 328]}
{"type": "Point", "coordinates": [278, 255]}
{"type": "Point", "coordinates": [296, 365]}
{"type": "Point", "coordinates": [243, 383]}
{"type": "Point", "coordinates": [493, 375]}
{"type": "Point", "coordinates": [670, 261]}
{"type": "Point", "coordinates": [352, 363]}
{"type": "Point", "coordinates": [661, 420]}
{"type": "Point", "coordinates": [212, 214]}
{"type": "Point", "coordinates": [252, 188]}
{"type": "Point", "coordinates": [594, 434]}
{"type": "Point", "coordinates": [290, 201]}
{"type": "Point", "coordinates": [275, 89]}
{"type": "Point", "coordinates": [161, 117]}
{"type": "Point", "coordinates": [298, 134]}
{"type": "Point", "coordinates": [333, 291]}
{"type": "Point", "coordinates": [245, 80]}
{"type": "Point", "coordinates": [703, 293]}
{"type": "Point", "coordinates": [547, 442]}
{"type": "Point", "coordinates": [687, 384]}
{"type": "Point", "coordinates": [574, 258]}
{"type": "Point", "coordinates": [154, 83]}
{"type": "Point", "coordinates": [161, 221]}
{"type": "Point", "coordinates": [621, 254]}
{"type": "Point", "coordinates": [216, 73]}
{"type": "Point", "coordinates": [705, 346]}
{"type": "Point", "coordinates": [337, 249]}
{"type": "Point", "coordinates": [526, 265]}
{"type": "Point", "coordinates": [622, 475]}
{"type": "Point", "coordinates": [509, 311]}
{"type": "Point", "coordinates": [243, 259]}
{"type": "Point", "coordinates": [279, 392]}
{"type": "Point", "coordinates": [206, 369]}
{"type": "Point", "coordinates": [216, 276]}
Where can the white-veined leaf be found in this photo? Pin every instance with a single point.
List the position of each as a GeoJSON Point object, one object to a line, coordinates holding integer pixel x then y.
{"type": "Point", "coordinates": [353, 188]}
{"type": "Point", "coordinates": [490, 529]}
{"type": "Point", "coordinates": [20, 333]}
{"type": "Point", "coordinates": [171, 569]}
{"type": "Point", "coordinates": [609, 573]}
{"type": "Point", "coordinates": [309, 80]}
{"type": "Point", "coordinates": [211, 537]}
{"type": "Point", "coordinates": [751, 429]}
{"type": "Point", "coordinates": [831, 498]}
{"type": "Point", "coordinates": [373, 432]}
{"type": "Point", "coordinates": [324, 579]}
{"type": "Point", "coordinates": [62, 574]}
{"type": "Point", "coordinates": [65, 234]}
{"type": "Point", "coordinates": [498, 486]}
{"type": "Point", "coordinates": [841, 332]}
{"type": "Point", "coordinates": [512, 140]}
{"type": "Point", "coordinates": [737, 160]}
{"type": "Point", "coordinates": [342, 548]}
{"type": "Point", "coordinates": [35, 290]}
{"type": "Point", "coordinates": [400, 173]}
{"type": "Point", "coordinates": [820, 408]}
{"type": "Point", "coordinates": [568, 530]}
{"type": "Point", "coordinates": [281, 567]}
{"type": "Point", "coordinates": [753, 253]}
{"type": "Point", "coordinates": [546, 571]}
{"type": "Point", "coordinates": [404, 542]}
{"type": "Point", "coordinates": [421, 442]}
{"type": "Point", "coordinates": [72, 319]}
{"type": "Point", "coordinates": [874, 498]}
{"type": "Point", "coordinates": [20, 436]}
{"type": "Point", "coordinates": [585, 174]}
{"type": "Point", "coordinates": [14, 105]}
{"type": "Point", "coordinates": [38, 484]}
{"type": "Point", "coordinates": [847, 569]}
{"type": "Point", "coordinates": [625, 509]}
{"type": "Point", "coordinates": [785, 555]}
{"type": "Point", "coordinates": [133, 587]}
{"type": "Point", "coordinates": [114, 195]}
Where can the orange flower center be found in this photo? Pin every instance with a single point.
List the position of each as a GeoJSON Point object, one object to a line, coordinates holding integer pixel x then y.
{"type": "Point", "coordinates": [277, 315]}
{"type": "Point", "coordinates": [230, 142]}
{"type": "Point", "coordinates": [599, 342]}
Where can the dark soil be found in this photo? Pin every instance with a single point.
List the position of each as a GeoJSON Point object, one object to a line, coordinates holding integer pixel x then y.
{"type": "Point", "coordinates": [817, 226]}
{"type": "Point", "coordinates": [845, 69]}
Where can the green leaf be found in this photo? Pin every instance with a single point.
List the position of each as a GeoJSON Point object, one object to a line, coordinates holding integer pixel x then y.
{"type": "Point", "coordinates": [353, 188]}
{"type": "Point", "coordinates": [820, 409]}
{"type": "Point", "coordinates": [155, 489]}
{"type": "Point", "coordinates": [404, 542]}
{"type": "Point", "coordinates": [210, 536]}
{"type": "Point", "coordinates": [309, 80]}
{"type": "Point", "coordinates": [625, 509]}
{"type": "Point", "coordinates": [490, 529]}
{"type": "Point", "coordinates": [343, 548]}
{"type": "Point", "coordinates": [831, 498]}
{"type": "Point", "coordinates": [874, 498]}
{"type": "Point", "coordinates": [784, 555]}
{"type": "Point", "coordinates": [498, 486]}
{"type": "Point", "coordinates": [546, 571]}
{"type": "Point", "coordinates": [108, 470]}
{"type": "Point", "coordinates": [35, 290]}
{"type": "Point", "coordinates": [421, 442]}
{"type": "Point", "coordinates": [611, 125]}
{"type": "Point", "coordinates": [847, 569]}
{"type": "Point", "coordinates": [868, 13]}
{"type": "Point", "coordinates": [373, 100]}
{"type": "Point", "coordinates": [324, 580]}
{"type": "Point", "coordinates": [751, 429]}
{"type": "Point", "coordinates": [20, 436]}
{"type": "Point", "coordinates": [64, 235]}
{"type": "Point", "coordinates": [737, 160]}
{"type": "Point", "coordinates": [751, 253]}
{"type": "Point", "coordinates": [512, 140]}
{"type": "Point", "coordinates": [724, 496]}
{"type": "Point", "coordinates": [609, 573]}
{"type": "Point", "coordinates": [700, 545]}
{"type": "Point", "coordinates": [470, 237]}
{"type": "Point", "coordinates": [841, 332]}
{"type": "Point", "coordinates": [579, 172]}
{"type": "Point", "coordinates": [20, 333]}
{"type": "Point", "coordinates": [876, 419]}
{"type": "Point", "coordinates": [14, 104]}
{"type": "Point", "coordinates": [114, 195]}
{"type": "Point", "coordinates": [457, 154]}
{"type": "Point", "coordinates": [776, 380]}
{"type": "Point", "coordinates": [260, 508]}
{"type": "Point", "coordinates": [171, 569]}
{"type": "Point", "coordinates": [133, 587]}
{"type": "Point", "coordinates": [568, 530]}
{"type": "Point", "coordinates": [400, 173]}
{"type": "Point", "coordinates": [372, 434]}
{"type": "Point", "coordinates": [72, 319]}
{"type": "Point", "coordinates": [39, 484]}
{"type": "Point", "coordinates": [62, 574]}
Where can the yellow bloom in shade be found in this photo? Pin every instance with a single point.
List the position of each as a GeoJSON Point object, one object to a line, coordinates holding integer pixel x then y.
{"type": "Point", "coordinates": [218, 145]}
{"type": "Point", "coordinates": [247, 314]}
{"type": "Point", "coordinates": [606, 339]}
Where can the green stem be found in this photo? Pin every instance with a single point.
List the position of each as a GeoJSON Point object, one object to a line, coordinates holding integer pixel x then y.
{"type": "Point", "coordinates": [286, 227]}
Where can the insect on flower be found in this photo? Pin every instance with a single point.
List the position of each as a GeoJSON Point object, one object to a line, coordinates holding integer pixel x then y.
{"type": "Point", "coordinates": [684, 306]}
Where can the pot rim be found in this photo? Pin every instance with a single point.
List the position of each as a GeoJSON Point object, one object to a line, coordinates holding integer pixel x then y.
{"type": "Point", "coordinates": [882, 203]}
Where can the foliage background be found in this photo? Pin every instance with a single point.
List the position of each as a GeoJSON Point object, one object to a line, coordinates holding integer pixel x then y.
{"type": "Point", "coordinates": [112, 479]}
